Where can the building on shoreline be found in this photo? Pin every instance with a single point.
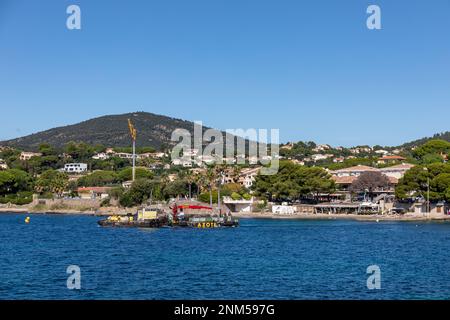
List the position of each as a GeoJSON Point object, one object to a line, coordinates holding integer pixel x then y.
{"type": "Point", "coordinates": [88, 193]}
{"type": "Point", "coordinates": [344, 178]}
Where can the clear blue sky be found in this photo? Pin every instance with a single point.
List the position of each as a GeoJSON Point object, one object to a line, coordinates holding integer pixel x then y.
{"type": "Point", "coordinates": [310, 68]}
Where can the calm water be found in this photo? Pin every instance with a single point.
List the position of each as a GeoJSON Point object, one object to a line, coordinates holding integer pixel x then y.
{"type": "Point", "coordinates": [263, 259]}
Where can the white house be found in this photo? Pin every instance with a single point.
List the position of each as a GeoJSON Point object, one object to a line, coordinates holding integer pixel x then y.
{"type": "Point", "coordinates": [397, 171]}
{"type": "Point", "coordinates": [382, 152]}
{"type": "Point", "coordinates": [24, 156]}
{"type": "Point", "coordinates": [319, 156]}
{"type": "Point", "coordinates": [75, 167]}
{"type": "Point", "coordinates": [241, 205]}
{"type": "Point", "coordinates": [124, 155]}
{"type": "Point", "coordinates": [322, 147]}
{"type": "Point", "coordinates": [248, 176]}
{"type": "Point", "coordinates": [355, 171]}
{"type": "Point", "coordinates": [3, 165]}
{"type": "Point", "coordinates": [101, 156]}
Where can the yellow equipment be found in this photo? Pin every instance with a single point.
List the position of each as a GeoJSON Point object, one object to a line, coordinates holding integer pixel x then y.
{"type": "Point", "coordinates": [147, 215]}
{"type": "Point", "coordinates": [133, 131]}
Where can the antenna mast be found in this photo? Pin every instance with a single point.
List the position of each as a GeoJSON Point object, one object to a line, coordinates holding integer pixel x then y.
{"type": "Point", "coordinates": [133, 134]}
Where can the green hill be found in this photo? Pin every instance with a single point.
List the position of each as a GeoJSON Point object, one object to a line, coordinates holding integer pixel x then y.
{"type": "Point", "coordinates": [112, 130]}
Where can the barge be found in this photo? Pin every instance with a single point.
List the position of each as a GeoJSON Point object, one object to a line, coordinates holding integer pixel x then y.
{"type": "Point", "coordinates": [183, 216]}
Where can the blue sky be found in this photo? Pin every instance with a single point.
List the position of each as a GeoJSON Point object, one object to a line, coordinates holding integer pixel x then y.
{"type": "Point", "coordinates": [310, 68]}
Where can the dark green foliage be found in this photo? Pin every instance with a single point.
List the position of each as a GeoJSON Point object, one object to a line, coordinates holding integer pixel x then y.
{"type": "Point", "coordinates": [13, 181]}
{"type": "Point", "coordinates": [153, 131]}
{"type": "Point", "coordinates": [141, 173]}
{"type": "Point", "coordinates": [415, 182]}
{"type": "Point", "coordinates": [293, 182]}
{"type": "Point", "coordinates": [99, 179]}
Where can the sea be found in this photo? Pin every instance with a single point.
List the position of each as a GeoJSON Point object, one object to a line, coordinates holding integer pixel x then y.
{"type": "Point", "coordinates": [71, 257]}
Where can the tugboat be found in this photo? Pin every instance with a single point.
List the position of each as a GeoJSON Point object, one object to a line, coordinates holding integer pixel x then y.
{"type": "Point", "coordinates": [146, 217]}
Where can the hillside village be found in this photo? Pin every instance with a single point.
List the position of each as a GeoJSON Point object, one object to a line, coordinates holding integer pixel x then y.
{"type": "Point", "coordinates": [312, 179]}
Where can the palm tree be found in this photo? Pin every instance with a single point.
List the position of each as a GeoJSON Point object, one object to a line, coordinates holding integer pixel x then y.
{"type": "Point", "coordinates": [219, 171]}
{"type": "Point", "coordinates": [236, 173]}
{"type": "Point", "coordinates": [191, 179]}
{"type": "Point", "coordinates": [210, 178]}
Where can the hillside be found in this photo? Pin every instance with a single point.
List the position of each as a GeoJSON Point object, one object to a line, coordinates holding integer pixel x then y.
{"type": "Point", "coordinates": [153, 130]}
{"type": "Point", "coordinates": [443, 136]}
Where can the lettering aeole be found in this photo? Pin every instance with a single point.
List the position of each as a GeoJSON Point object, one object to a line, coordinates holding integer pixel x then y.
{"type": "Point", "coordinates": [74, 20]}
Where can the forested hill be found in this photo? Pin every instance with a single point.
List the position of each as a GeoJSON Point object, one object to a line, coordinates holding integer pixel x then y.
{"type": "Point", "coordinates": [443, 136]}
{"type": "Point", "coordinates": [153, 130]}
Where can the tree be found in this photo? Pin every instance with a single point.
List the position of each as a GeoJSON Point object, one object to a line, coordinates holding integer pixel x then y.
{"type": "Point", "coordinates": [176, 188]}
{"type": "Point", "coordinates": [441, 186]}
{"type": "Point", "coordinates": [47, 150]}
{"type": "Point", "coordinates": [37, 165]}
{"type": "Point", "coordinates": [293, 182]}
{"type": "Point", "coordinates": [98, 179]}
{"type": "Point", "coordinates": [414, 183]}
{"type": "Point", "coordinates": [141, 173]}
{"type": "Point", "coordinates": [432, 151]}
{"type": "Point", "coordinates": [13, 181]}
{"type": "Point", "coordinates": [370, 181]}
{"type": "Point", "coordinates": [80, 151]}
{"type": "Point", "coordinates": [52, 181]}
{"type": "Point", "coordinates": [141, 190]}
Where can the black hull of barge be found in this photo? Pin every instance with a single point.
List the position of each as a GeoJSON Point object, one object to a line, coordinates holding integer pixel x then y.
{"type": "Point", "coordinates": [133, 224]}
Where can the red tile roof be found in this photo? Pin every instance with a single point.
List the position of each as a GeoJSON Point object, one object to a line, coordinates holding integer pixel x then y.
{"type": "Point", "coordinates": [392, 158]}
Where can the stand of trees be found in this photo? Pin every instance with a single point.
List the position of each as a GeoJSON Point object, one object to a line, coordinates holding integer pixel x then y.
{"type": "Point", "coordinates": [415, 182]}
{"type": "Point", "coordinates": [294, 182]}
{"type": "Point", "coordinates": [370, 181]}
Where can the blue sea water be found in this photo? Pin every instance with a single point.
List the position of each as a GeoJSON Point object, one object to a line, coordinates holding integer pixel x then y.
{"type": "Point", "coordinates": [262, 259]}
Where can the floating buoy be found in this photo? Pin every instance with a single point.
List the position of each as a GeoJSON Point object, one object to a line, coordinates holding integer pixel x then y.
{"type": "Point", "coordinates": [27, 220]}
{"type": "Point", "coordinates": [378, 220]}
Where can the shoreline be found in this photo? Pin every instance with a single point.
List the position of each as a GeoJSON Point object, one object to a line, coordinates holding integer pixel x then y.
{"type": "Point", "coordinates": [354, 217]}
{"type": "Point", "coordinates": [247, 215]}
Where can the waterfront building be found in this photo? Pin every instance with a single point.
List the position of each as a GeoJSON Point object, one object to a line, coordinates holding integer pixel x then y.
{"type": "Point", "coordinates": [91, 193]}
{"type": "Point", "coordinates": [240, 205]}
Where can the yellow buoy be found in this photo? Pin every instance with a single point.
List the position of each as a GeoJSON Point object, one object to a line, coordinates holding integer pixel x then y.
{"type": "Point", "coordinates": [27, 220]}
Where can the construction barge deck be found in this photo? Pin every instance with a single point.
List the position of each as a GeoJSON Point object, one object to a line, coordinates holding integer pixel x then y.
{"type": "Point", "coordinates": [199, 217]}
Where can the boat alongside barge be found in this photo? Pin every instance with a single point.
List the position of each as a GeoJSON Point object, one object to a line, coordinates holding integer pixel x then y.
{"type": "Point", "coordinates": [183, 216]}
